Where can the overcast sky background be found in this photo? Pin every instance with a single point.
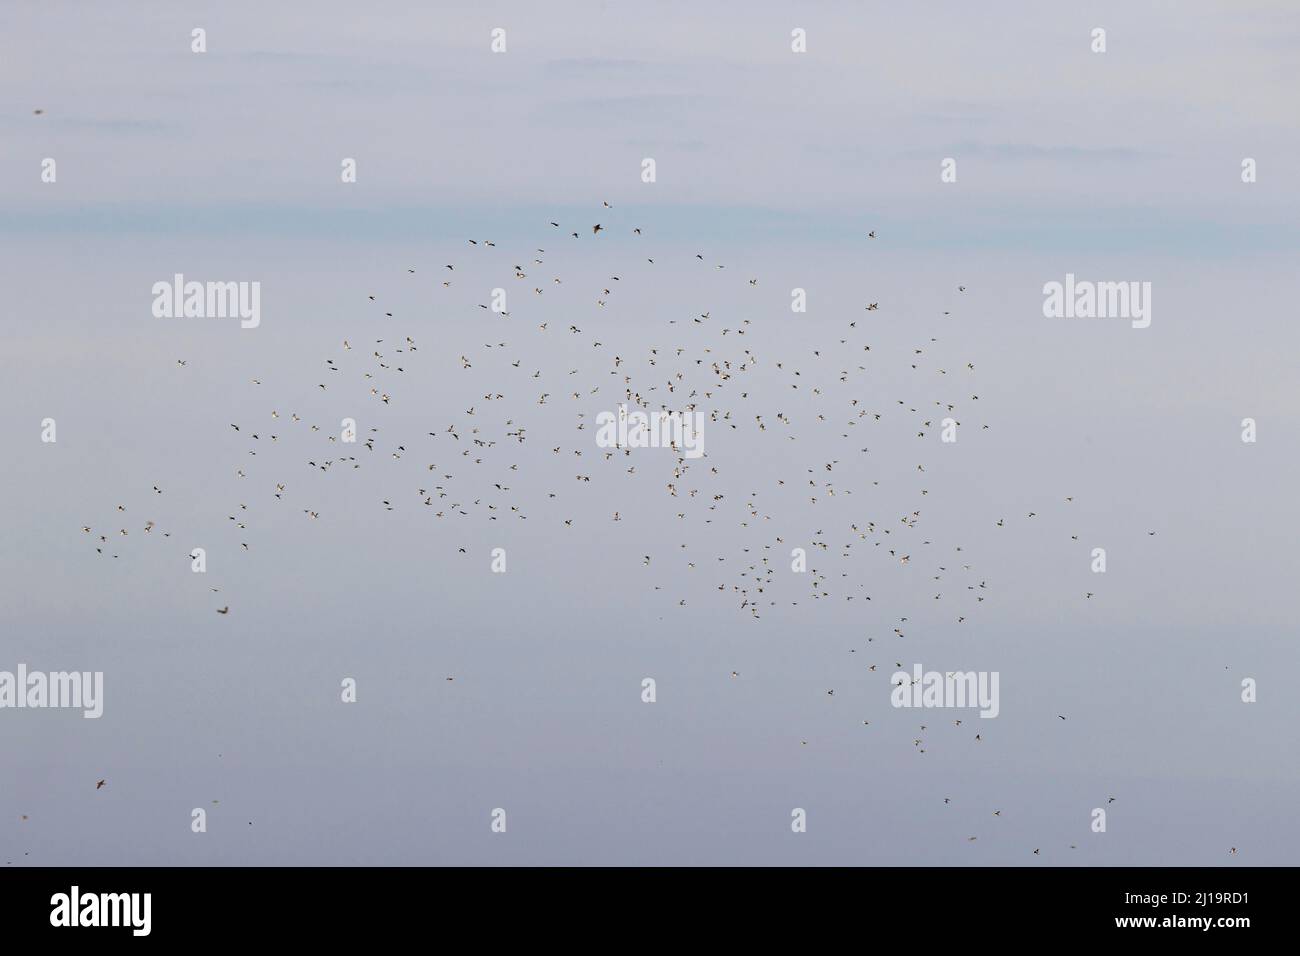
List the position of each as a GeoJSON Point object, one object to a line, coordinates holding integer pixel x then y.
{"type": "Point", "coordinates": [225, 166]}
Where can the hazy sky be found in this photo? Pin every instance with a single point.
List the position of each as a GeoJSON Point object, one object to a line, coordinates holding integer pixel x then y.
{"type": "Point", "coordinates": [225, 165]}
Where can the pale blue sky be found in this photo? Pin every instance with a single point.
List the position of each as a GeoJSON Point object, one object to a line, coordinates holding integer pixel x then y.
{"type": "Point", "coordinates": [225, 165]}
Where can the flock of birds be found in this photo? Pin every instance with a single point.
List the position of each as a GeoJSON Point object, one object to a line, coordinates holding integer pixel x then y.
{"type": "Point", "coordinates": [464, 467]}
